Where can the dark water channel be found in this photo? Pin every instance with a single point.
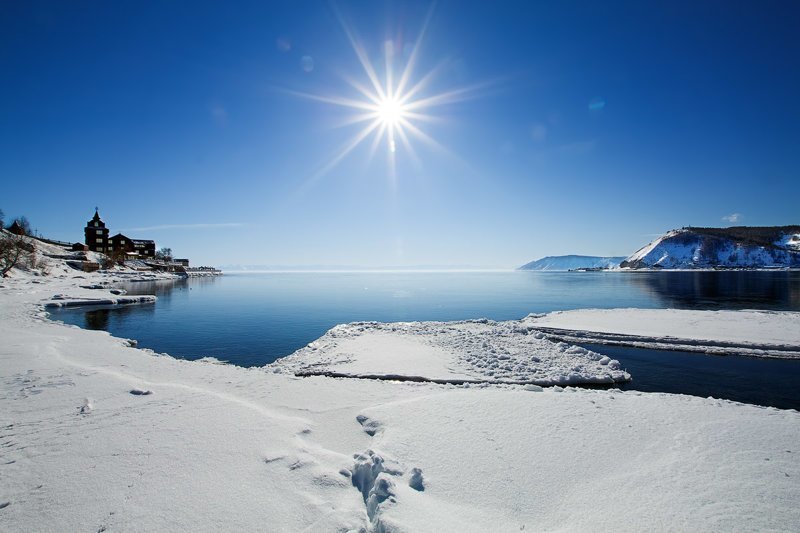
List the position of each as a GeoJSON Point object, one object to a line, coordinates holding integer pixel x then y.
{"type": "Point", "coordinates": [772, 382]}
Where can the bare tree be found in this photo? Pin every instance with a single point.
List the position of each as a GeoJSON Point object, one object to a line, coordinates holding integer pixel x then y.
{"type": "Point", "coordinates": [15, 251]}
{"type": "Point", "coordinates": [165, 254]}
{"type": "Point", "coordinates": [118, 256]}
{"type": "Point", "coordinates": [107, 263]}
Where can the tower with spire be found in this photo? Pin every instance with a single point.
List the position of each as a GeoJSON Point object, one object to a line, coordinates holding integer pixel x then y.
{"type": "Point", "coordinates": [97, 234]}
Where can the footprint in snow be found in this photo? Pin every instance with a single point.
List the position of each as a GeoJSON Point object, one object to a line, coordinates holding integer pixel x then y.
{"type": "Point", "coordinates": [416, 481]}
{"type": "Point", "coordinates": [370, 427]}
{"type": "Point", "coordinates": [86, 408]}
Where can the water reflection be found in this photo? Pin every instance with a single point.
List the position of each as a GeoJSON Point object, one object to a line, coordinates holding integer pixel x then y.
{"type": "Point", "coordinates": [97, 319]}
{"type": "Point", "coordinates": [721, 290]}
{"type": "Point", "coordinates": [112, 318]}
{"type": "Point", "coordinates": [162, 289]}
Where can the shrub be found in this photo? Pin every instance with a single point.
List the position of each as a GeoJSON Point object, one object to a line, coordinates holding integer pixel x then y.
{"type": "Point", "coordinates": [15, 251]}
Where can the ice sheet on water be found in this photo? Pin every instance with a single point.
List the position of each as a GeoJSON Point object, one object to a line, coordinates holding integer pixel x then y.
{"type": "Point", "coordinates": [474, 350]}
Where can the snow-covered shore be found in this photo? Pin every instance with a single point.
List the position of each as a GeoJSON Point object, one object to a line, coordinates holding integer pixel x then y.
{"type": "Point", "coordinates": [754, 333]}
{"type": "Point", "coordinates": [96, 435]}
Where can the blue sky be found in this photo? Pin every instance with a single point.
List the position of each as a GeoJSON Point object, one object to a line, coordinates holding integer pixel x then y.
{"type": "Point", "coordinates": [587, 128]}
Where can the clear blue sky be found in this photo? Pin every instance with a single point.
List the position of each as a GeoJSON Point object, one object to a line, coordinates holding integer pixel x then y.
{"type": "Point", "coordinates": [591, 126]}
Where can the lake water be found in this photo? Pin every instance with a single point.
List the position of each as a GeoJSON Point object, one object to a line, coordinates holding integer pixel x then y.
{"type": "Point", "coordinates": [252, 319]}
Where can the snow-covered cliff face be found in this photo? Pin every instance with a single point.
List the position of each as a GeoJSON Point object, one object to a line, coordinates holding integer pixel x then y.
{"type": "Point", "coordinates": [721, 247]}
{"type": "Point", "coordinates": [572, 262]}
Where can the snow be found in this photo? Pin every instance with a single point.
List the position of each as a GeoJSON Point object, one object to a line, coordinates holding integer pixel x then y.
{"type": "Point", "coordinates": [61, 300]}
{"type": "Point", "coordinates": [504, 460]}
{"type": "Point", "coordinates": [472, 351]}
{"type": "Point", "coordinates": [790, 241]}
{"type": "Point", "coordinates": [755, 333]}
{"type": "Point", "coordinates": [96, 435]}
{"type": "Point", "coordinates": [685, 248]}
{"type": "Point", "coordinates": [572, 262]}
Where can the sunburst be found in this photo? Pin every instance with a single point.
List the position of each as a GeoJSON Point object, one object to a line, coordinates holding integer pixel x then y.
{"type": "Point", "coordinates": [390, 109]}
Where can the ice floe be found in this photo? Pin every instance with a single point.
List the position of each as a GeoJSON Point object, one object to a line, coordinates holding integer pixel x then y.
{"type": "Point", "coordinates": [471, 351]}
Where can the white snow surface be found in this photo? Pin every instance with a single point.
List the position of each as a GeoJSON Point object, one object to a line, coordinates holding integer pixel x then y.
{"type": "Point", "coordinates": [98, 436]}
{"type": "Point", "coordinates": [473, 350]}
{"type": "Point", "coordinates": [790, 241]}
{"type": "Point", "coordinates": [742, 329]}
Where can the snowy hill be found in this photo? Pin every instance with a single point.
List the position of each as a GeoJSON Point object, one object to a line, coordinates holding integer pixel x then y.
{"type": "Point", "coordinates": [572, 262]}
{"type": "Point", "coordinates": [737, 247]}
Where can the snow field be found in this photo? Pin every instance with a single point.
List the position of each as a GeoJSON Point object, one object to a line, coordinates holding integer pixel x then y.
{"type": "Point", "coordinates": [96, 435]}
{"type": "Point", "coordinates": [471, 351]}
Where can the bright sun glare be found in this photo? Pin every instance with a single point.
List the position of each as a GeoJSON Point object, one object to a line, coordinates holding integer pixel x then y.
{"type": "Point", "coordinates": [390, 107]}
{"type": "Point", "coordinates": [390, 112]}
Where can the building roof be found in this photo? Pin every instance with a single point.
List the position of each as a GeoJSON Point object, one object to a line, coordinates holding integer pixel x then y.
{"type": "Point", "coordinates": [16, 229]}
{"type": "Point", "coordinates": [135, 242]}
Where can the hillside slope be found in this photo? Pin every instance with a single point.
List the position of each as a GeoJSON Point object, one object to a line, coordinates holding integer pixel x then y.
{"type": "Point", "coordinates": [571, 262]}
{"type": "Point", "coordinates": [737, 247]}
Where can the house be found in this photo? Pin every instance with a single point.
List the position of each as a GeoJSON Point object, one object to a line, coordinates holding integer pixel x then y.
{"type": "Point", "coordinates": [133, 248]}
{"type": "Point", "coordinates": [97, 240]}
{"type": "Point", "coordinates": [97, 234]}
{"type": "Point", "coordinates": [182, 262]}
{"type": "Point", "coordinates": [16, 229]}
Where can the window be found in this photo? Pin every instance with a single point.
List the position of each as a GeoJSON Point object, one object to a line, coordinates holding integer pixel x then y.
{"type": "Point", "coordinates": [122, 242]}
{"type": "Point", "coordinates": [99, 240]}
{"type": "Point", "coordinates": [96, 224]}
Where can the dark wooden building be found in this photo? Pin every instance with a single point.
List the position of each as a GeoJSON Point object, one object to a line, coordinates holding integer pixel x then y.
{"type": "Point", "coordinates": [97, 234]}
{"type": "Point", "coordinates": [16, 229]}
{"type": "Point", "coordinates": [133, 248]}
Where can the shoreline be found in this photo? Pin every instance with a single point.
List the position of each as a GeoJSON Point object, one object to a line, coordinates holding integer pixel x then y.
{"type": "Point", "coordinates": [82, 450]}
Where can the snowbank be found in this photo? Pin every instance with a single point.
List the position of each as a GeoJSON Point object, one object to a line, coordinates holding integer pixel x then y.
{"type": "Point", "coordinates": [577, 460]}
{"type": "Point", "coordinates": [754, 333]}
{"type": "Point", "coordinates": [456, 352]}
{"type": "Point", "coordinates": [61, 300]}
{"type": "Point", "coordinates": [98, 436]}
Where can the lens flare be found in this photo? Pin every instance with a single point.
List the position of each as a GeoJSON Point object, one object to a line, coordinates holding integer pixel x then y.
{"type": "Point", "coordinates": [393, 107]}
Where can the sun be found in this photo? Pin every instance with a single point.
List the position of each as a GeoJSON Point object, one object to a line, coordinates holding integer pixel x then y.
{"type": "Point", "coordinates": [389, 115]}
{"type": "Point", "coordinates": [390, 112]}
{"type": "Point", "coordinates": [391, 107]}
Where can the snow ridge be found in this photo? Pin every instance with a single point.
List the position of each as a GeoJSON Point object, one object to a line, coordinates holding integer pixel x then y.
{"type": "Point", "coordinates": [716, 247]}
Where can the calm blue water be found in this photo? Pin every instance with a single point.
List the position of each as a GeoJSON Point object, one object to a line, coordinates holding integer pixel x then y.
{"type": "Point", "coordinates": [253, 319]}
